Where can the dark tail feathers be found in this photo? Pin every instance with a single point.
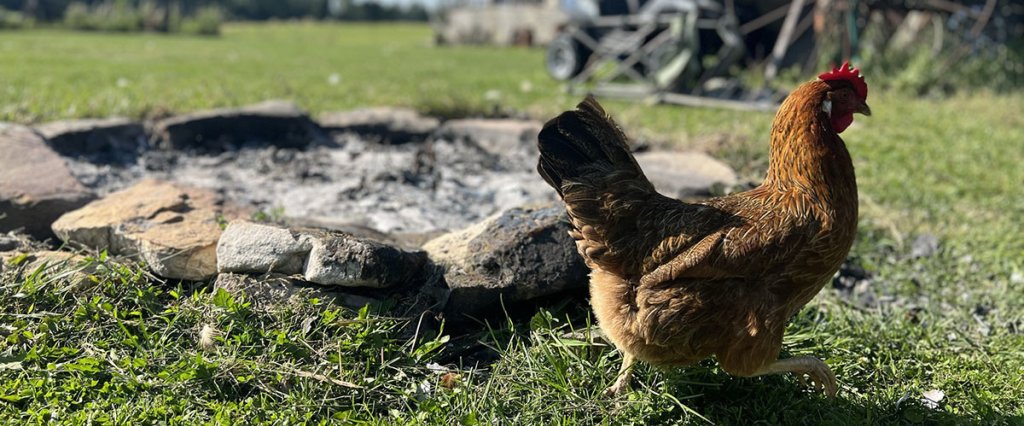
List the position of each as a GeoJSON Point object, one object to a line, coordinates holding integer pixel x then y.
{"type": "Point", "coordinates": [583, 141]}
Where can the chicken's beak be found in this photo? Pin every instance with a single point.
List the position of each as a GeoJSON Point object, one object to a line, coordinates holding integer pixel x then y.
{"type": "Point", "coordinates": [864, 109]}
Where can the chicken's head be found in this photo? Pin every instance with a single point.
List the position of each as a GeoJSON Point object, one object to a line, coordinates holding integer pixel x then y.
{"type": "Point", "coordinates": [848, 94]}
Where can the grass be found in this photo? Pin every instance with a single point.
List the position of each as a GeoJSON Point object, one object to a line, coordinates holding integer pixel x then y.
{"type": "Point", "coordinates": [123, 349]}
{"type": "Point", "coordinates": [103, 74]}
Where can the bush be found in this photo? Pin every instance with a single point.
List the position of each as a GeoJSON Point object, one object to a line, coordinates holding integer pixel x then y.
{"type": "Point", "coordinates": [105, 16]}
{"type": "Point", "coordinates": [117, 17]}
{"type": "Point", "coordinates": [121, 16]}
{"type": "Point", "coordinates": [941, 56]}
{"type": "Point", "coordinates": [152, 16]}
{"type": "Point", "coordinates": [174, 18]}
{"type": "Point", "coordinates": [11, 20]}
{"type": "Point", "coordinates": [206, 21]}
{"type": "Point", "coordinates": [922, 70]}
{"type": "Point", "coordinates": [78, 17]}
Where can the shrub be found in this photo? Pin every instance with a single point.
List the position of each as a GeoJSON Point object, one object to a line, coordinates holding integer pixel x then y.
{"type": "Point", "coordinates": [174, 18]}
{"type": "Point", "coordinates": [206, 21]}
{"type": "Point", "coordinates": [78, 17]}
{"type": "Point", "coordinates": [117, 17]}
{"type": "Point", "coordinates": [152, 16]}
{"type": "Point", "coordinates": [11, 20]}
{"type": "Point", "coordinates": [943, 56]}
{"type": "Point", "coordinates": [924, 70]}
{"type": "Point", "coordinates": [147, 16]}
{"type": "Point", "coordinates": [104, 16]}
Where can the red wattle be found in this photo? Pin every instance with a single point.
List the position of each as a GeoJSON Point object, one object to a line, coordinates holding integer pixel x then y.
{"type": "Point", "coordinates": [841, 122]}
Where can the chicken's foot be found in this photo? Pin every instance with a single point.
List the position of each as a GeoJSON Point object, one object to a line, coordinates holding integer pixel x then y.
{"type": "Point", "coordinates": [821, 376]}
{"type": "Point", "coordinates": [624, 377]}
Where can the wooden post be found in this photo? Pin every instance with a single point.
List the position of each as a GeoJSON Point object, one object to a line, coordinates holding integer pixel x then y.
{"type": "Point", "coordinates": [785, 37]}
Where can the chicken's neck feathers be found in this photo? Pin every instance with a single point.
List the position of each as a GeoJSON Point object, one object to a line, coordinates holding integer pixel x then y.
{"type": "Point", "coordinates": [809, 168]}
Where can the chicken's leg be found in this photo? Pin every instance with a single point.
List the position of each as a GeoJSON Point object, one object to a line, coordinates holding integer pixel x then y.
{"type": "Point", "coordinates": [624, 377]}
{"type": "Point", "coordinates": [819, 372]}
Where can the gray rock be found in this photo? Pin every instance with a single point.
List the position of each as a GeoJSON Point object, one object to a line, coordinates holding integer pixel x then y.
{"type": "Point", "coordinates": [36, 186]}
{"type": "Point", "coordinates": [393, 125]}
{"type": "Point", "coordinates": [854, 284]}
{"type": "Point", "coordinates": [684, 174]}
{"type": "Point", "coordinates": [925, 245]}
{"type": "Point", "coordinates": [251, 247]}
{"type": "Point", "coordinates": [173, 228]}
{"type": "Point", "coordinates": [511, 141]}
{"type": "Point", "coordinates": [345, 260]}
{"type": "Point", "coordinates": [517, 255]}
{"type": "Point", "coordinates": [278, 123]}
{"type": "Point", "coordinates": [8, 243]}
{"type": "Point", "coordinates": [330, 258]}
{"type": "Point", "coordinates": [111, 136]}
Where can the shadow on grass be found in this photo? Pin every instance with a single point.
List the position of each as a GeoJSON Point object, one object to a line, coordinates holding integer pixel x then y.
{"type": "Point", "coordinates": [583, 369]}
{"type": "Point", "coordinates": [724, 399]}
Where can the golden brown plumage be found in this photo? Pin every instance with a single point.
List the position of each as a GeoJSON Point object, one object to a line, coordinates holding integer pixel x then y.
{"type": "Point", "coordinates": [673, 283]}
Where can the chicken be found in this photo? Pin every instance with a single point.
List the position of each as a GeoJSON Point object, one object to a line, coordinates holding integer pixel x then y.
{"type": "Point", "coordinates": [673, 283]}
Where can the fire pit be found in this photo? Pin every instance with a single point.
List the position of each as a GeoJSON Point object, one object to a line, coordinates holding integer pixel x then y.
{"type": "Point", "coordinates": [379, 198]}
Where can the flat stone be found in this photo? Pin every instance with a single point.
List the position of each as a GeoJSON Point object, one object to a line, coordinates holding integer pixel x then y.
{"type": "Point", "coordinates": [516, 255]}
{"type": "Point", "coordinates": [171, 227]}
{"type": "Point", "coordinates": [111, 136]}
{"type": "Point", "coordinates": [36, 186]}
{"type": "Point", "coordinates": [515, 141]}
{"type": "Point", "coordinates": [278, 123]}
{"type": "Point", "coordinates": [388, 124]}
{"type": "Point", "coordinates": [330, 258]}
{"type": "Point", "coordinates": [252, 247]}
{"type": "Point", "coordinates": [684, 174]}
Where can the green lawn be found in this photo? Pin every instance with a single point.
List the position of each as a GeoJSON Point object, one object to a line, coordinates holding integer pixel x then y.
{"type": "Point", "coordinates": [124, 351]}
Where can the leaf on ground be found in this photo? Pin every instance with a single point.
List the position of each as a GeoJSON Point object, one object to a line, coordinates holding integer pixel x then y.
{"type": "Point", "coordinates": [16, 365]}
{"type": "Point", "coordinates": [932, 398]}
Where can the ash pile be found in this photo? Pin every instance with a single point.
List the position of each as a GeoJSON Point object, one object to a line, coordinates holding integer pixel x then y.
{"type": "Point", "coordinates": [362, 206]}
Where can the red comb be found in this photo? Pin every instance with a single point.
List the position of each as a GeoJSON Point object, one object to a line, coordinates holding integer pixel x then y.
{"type": "Point", "coordinates": [849, 73]}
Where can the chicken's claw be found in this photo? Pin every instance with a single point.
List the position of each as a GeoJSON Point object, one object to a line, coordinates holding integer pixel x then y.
{"type": "Point", "coordinates": [620, 386]}
{"type": "Point", "coordinates": [821, 376]}
{"type": "Point", "coordinates": [623, 378]}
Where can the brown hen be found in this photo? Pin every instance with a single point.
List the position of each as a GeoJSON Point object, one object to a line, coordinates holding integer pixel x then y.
{"type": "Point", "coordinates": [673, 283]}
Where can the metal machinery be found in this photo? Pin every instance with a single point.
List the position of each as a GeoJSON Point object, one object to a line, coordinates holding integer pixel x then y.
{"type": "Point", "coordinates": [681, 51]}
{"type": "Point", "coordinates": [643, 48]}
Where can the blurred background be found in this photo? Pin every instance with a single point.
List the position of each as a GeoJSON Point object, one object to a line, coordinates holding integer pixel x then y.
{"type": "Point", "coordinates": [729, 50]}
